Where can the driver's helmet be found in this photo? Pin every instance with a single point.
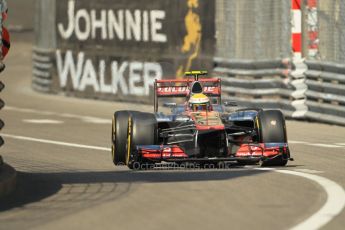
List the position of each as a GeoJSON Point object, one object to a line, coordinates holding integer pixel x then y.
{"type": "Point", "coordinates": [199, 102]}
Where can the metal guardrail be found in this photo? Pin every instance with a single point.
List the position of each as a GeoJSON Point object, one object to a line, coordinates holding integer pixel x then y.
{"type": "Point", "coordinates": [326, 92]}
{"type": "Point", "coordinates": [305, 89]}
{"type": "Point", "coordinates": [42, 69]}
{"type": "Point", "coordinates": [264, 83]}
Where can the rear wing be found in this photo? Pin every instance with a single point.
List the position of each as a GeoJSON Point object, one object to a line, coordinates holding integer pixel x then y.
{"type": "Point", "coordinates": [181, 88]}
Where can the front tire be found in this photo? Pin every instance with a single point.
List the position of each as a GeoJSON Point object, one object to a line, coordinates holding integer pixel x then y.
{"type": "Point", "coordinates": [119, 136]}
{"type": "Point", "coordinates": [142, 130]}
{"type": "Point", "coordinates": [272, 129]}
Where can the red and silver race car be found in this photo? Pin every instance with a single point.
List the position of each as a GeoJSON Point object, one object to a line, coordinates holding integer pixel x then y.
{"type": "Point", "coordinates": [200, 130]}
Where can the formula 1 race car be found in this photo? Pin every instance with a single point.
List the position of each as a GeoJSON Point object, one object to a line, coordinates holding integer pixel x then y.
{"type": "Point", "coordinates": [200, 130]}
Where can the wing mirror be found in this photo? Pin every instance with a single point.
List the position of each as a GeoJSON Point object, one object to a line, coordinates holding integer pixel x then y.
{"type": "Point", "coordinates": [230, 103]}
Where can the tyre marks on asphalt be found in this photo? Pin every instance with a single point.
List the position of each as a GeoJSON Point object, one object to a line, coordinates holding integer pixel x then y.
{"type": "Point", "coordinates": [46, 197]}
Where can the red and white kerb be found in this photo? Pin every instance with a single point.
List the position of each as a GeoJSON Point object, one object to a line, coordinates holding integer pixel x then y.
{"type": "Point", "coordinates": [296, 29]}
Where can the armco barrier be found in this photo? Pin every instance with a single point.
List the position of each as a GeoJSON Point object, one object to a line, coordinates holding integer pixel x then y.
{"type": "Point", "coordinates": [251, 83]}
{"type": "Point", "coordinates": [115, 49]}
{"type": "Point", "coordinates": [326, 92]}
{"type": "Point", "coordinates": [314, 90]}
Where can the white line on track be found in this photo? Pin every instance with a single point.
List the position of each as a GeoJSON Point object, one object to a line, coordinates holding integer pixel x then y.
{"type": "Point", "coordinates": [334, 205]}
{"type": "Point", "coordinates": [325, 145]}
{"type": "Point", "coordinates": [45, 141]}
{"type": "Point", "coordinates": [87, 119]}
{"type": "Point", "coordinates": [298, 142]}
{"type": "Point", "coordinates": [308, 171]}
{"type": "Point", "coordinates": [322, 145]}
{"type": "Point", "coordinates": [335, 193]}
{"type": "Point", "coordinates": [42, 121]}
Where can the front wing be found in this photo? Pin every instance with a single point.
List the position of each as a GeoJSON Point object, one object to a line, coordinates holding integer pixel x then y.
{"type": "Point", "coordinates": [174, 153]}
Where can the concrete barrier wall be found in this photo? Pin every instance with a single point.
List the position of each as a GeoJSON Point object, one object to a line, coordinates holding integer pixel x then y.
{"type": "Point", "coordinates": [115, 49]}
{"type": "Point", "coordinates": [21, 15]}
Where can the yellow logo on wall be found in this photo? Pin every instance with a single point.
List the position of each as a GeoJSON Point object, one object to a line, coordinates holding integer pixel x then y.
{"type": "Point", "coordinates": [192, 40]}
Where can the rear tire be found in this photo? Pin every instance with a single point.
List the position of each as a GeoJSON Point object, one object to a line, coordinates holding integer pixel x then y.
{"type": "Point", "coordinates": [272, 129]}
{"type": "Point", "coordinates": [142, 130]}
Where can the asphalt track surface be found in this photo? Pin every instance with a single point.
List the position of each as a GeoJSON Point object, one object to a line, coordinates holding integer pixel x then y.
{"type": "Point", "coordinates": [66, 179]}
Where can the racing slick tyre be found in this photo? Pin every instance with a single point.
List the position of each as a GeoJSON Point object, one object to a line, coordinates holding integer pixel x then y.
{"type": "Point", "coordinates": [142, 130]}
{"type": "Point", "coordinates": [119, 136]}
{"type": "Point", "coordinates": [272, 129]}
